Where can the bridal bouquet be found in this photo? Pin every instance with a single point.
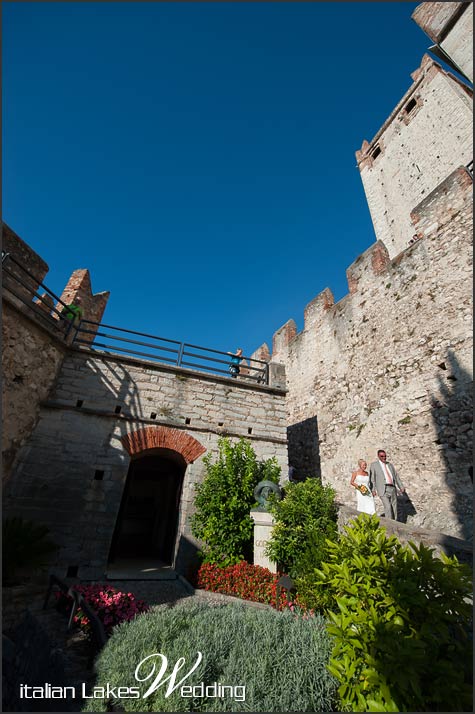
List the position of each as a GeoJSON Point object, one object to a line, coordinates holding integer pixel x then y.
{"type": "Point", "coordinates": [364, 490]}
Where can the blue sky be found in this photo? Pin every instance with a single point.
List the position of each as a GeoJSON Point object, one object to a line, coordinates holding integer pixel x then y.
{"type": "Point", "coordinates": [198, 158]}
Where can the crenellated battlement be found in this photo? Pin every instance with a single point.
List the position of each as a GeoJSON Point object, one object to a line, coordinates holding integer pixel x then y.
{"type": "Point", "coordinates": [373, 262]}
{"type": "Point", "coordinates": [450, 26]}
{"type": "Point", "coordinates": [79, 284]}
{"type": "Point", "coordinates": [282, 337]}
{"type": "Point", "coordinates": [440, 208]}
{"type": "Point", "coordinates": [390, 364]}
{"type": "Point", "coordinates": [443, 204]}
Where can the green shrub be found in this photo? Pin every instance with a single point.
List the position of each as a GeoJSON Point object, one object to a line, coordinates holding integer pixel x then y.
{"type": "Point", "coordinates": [305, 518]}
{"type": "Point", "coordinates": [25, 544]}
{"type": "Point", "coordinates": [400, 622]}
{"type": "Point", "coordinates": [279, 658]}
{"type": "Point", "coordinates": [224, 500]}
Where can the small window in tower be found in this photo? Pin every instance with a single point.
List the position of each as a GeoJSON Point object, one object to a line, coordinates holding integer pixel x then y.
{"type": "Point", "coordinates": [376, 152]}
{"type": "Point", "coordinates": [410, 106]}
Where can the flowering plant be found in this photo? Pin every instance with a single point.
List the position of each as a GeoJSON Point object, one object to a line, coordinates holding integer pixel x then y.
{"type": "Point", "coordinates": [249, 582]}
{"type": "Point", "coordinates": [111, 606]}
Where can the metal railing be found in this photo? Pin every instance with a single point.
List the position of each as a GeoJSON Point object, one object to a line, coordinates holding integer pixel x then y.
{"type": "Point", "coordinates": [163, 350]}
{"type": "Point", "coordinates": [23, 285]}
{"type": "Point", "coordinates": [98, 632]}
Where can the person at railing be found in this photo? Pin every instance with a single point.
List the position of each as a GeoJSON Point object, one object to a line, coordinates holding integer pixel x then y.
{"type": "Point", "coordinates": [235, 362]}
{"type": "Point", "coordinates": [73, 313]}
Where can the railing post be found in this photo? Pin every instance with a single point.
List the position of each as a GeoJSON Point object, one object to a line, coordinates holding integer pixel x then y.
{"type": "Point", "coordinates": [68, 329]}
{"type": "Point", "coordinates": [179, 358]}
{"type": "Point", "coordinates": [78, 328]}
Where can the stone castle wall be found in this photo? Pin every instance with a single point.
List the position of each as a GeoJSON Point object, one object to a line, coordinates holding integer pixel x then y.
{"type": "Point", "coordinates": [98, 401]}
{"type": "Point", "coordinates": [428, 135]}
{"type": "Point", "coordinates": [390, 366]}
{"type": "Point", "coordinates": [449, 25]}
{"type": "Point", "coordinates": [33, 344]}
{"type": "Point", "coordinates": [31, 359]}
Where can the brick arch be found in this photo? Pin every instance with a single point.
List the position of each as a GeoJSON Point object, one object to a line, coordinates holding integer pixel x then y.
{"type": "Point", "coordinates": [163, 437]}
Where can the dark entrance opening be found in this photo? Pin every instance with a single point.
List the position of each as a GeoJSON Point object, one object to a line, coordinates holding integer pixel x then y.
{"type": "Point", "coordinates": [148, 516]}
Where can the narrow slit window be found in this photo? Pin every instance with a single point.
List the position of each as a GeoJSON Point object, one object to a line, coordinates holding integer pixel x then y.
{"type": "Point", "coordinates": [410, 106]}
{"type": "Point", "coordinates": [118, 409]}
{"type": "Point", "coordinates": [187, 420]}
{"type": "Point", "coordinates": [79, 403]}
{"type": "Point", "coordinates": [249, 430]}
{"type": "Point", "coordinates": [153, 415]}
{"type": "Point", "coordinates": [376, 152]}
{"type": "Point", "coordinates": [98, 475]}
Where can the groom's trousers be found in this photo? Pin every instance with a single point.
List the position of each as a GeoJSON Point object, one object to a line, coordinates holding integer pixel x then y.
{"type": "Point", "coordinates": [389, 499]}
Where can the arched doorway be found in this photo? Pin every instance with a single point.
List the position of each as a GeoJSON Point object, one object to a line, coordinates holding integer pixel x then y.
{"type": "Point", "coordinates": [147, 521]}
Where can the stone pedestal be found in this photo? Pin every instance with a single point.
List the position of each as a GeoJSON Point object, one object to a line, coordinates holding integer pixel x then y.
{"type": "Point", "coordinates": [263, 524]}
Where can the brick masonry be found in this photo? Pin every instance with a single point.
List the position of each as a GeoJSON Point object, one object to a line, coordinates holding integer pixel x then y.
{"type": "Point", "coordinates": [161, 407]}
{"type": "Point", "coordinates": [79, 284]}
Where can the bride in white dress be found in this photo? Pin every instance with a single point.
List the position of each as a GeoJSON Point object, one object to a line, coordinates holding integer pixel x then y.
{"type": "Point", "coordinates": [360, 477]}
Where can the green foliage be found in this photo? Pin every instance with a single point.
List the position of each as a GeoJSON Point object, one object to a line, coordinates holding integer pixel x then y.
{"type": "Point", "coordinates": [25, 545]}
{"type": "Point", "coordinates": [305, 518]}
{"type": "Point", "coordinates": [400, 622]}
{"type": "Point", "coordinates": [224, 499]}
{"type": "Point", "coordinates": [279, 658]}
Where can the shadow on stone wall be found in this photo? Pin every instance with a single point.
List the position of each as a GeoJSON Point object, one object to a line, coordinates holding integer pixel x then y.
{"type": "Point", "coordinates": [304, 448]}
{"type": "Point", "coordinates": [405, 508]}
{"type": "Point", "coordinates": [127, 393]}
{"type": "Point", "coordinates": [453, 419]}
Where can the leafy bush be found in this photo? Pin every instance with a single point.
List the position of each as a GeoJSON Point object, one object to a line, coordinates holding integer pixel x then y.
{"type": "Point", "coordinates": [279, 658]}
{"type": "Point", "coordinates": [400, 623]}
{"type": "Point", "coordinates": [111, 606]}
{"type": "Point", "coordinates": [224, 499]}
{"type": "Point", "coordinates": [305, 517]}
{"type": "Point", "coordinates": [25, 545]}
{"type": "Point", "coordinates": [249, 582]}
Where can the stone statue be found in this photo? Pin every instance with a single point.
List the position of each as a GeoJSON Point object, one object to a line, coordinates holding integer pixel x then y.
{"type": "Point", "coordinates": [262, 492]}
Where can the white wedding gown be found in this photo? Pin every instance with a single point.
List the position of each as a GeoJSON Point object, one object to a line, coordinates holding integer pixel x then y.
{"type": "Point", "coordinates": [364, 504]}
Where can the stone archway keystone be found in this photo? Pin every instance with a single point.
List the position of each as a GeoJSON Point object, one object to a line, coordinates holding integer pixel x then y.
{"type": "Point", "coordinates": [156, 437]}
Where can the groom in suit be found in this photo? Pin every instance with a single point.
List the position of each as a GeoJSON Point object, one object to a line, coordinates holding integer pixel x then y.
{"type": "Point", "coordinates": [384, 480]}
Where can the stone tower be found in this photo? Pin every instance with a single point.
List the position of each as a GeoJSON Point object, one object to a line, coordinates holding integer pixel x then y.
{"type": "Point", "coordinates": [450, 26]}
{"type": "Point", "coordinates": [426, 137]}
